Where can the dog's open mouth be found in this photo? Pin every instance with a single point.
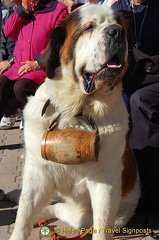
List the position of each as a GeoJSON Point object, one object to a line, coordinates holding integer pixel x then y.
{"type": "Point", "coordinates": [108, 71]}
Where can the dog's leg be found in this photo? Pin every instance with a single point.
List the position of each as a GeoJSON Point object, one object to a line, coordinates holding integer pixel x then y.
{"type": "Point", "coordinates": [71, 213]}
{"type": "Point", "coordinates": [128, 206]}
{"type": "Point", "coordinates": [37, 190]}
{"type": "Point", "coordinates": [105, 204]}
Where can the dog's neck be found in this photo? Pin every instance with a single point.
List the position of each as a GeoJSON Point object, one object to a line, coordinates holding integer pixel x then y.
{"type": "Point", "coordinates": [69, 100]}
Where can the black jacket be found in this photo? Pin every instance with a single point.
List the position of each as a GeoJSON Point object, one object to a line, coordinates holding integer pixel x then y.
{"type": "Point", "coordinates": [147, 70]}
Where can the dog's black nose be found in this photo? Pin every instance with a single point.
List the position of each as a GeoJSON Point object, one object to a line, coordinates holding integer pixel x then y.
{"type": "Point", "coordinates": [114, 30]}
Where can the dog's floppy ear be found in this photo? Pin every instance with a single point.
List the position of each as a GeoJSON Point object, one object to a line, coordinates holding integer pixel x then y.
{"type": "Point", "coordinates": [50, 59]}
{"type": "Point", "coordinates": [131, 58]}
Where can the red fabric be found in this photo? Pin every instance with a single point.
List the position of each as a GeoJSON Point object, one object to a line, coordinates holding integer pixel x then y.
{"type": "Point", "coordinates": [32, 37]}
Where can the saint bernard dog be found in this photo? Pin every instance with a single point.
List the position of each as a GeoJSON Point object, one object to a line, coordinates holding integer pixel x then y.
{"type": "Point", "coordinates": [87, 56]}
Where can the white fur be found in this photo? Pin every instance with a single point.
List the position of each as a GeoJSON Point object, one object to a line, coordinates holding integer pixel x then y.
{"type": "Point", "coordinates": [92, 191]}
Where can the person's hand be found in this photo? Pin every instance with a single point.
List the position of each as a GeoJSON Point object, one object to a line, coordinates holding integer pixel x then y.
{"type": "Point", "coordinates": [28, 66]}
{"type": "Point", "coordinates": [4, 65]}
{"type": "Point", "coordinates": [26, 5]}
{"type": "Point", "coordinates": [69, 3]}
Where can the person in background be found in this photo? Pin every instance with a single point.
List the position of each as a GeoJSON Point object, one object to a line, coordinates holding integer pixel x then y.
{"type": "Point", "coordinates": [30, 25]}
{"type": "Point", "coordinates": [4, 10]}
{"type": "Point", "coordinates": [142, 89]}
{"type": "Point", "coordinates": [7, 60]}
{"type": "Point", "coordinates": [3, 54]}
{"type": "Point", "coordinates": [1, 191]}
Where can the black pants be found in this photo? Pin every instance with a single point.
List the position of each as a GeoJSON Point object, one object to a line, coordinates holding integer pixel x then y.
{"type": "Point", "coordinates": [144, 117]}
{"type": "Point", "coordinates": [18, 90]}
{"type": "Point", "coordinates": [144, 135]}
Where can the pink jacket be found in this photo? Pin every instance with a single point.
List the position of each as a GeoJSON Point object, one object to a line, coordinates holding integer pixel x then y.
{"type": "Point", "coordinates": [31, 32]}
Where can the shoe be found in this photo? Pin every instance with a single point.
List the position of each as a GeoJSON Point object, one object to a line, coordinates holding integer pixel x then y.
{"type": "Point", "coordinates": [7, 122]}
{"type": "Point", "coordinates": [19, 115]}
{"type": "Point", "coordinates": [1, 194]}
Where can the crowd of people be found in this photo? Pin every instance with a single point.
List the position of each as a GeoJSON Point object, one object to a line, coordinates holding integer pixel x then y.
{"type": "Point", "coordinates": [29, 30]}
{"type": "Point", "coordinates": [7, 59]}
{"type": "Point", "coordinates": [142, 90]}
{"type": "Point", "coordinates": [21, 76]}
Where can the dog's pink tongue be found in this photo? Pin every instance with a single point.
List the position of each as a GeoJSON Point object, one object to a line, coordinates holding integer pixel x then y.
{"type": "Point", "coordinates": [113, 65]}
{"type": "Point", "coordinates": [92, 75]}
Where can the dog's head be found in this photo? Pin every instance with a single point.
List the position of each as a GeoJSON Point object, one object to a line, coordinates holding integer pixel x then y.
{"type": "Point", "coordinates": [93, 43]}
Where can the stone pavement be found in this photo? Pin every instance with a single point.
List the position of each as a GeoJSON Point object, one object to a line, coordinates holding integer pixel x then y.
{"type": "Point", "coordinates": [11, 165]}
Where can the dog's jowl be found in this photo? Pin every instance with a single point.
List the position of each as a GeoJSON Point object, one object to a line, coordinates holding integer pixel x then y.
{"type": "Point", "coordinates": [86, 59]}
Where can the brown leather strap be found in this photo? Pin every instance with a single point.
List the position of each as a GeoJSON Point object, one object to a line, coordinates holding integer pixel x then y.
{"type": "Point", "coordinates": [45, 107]}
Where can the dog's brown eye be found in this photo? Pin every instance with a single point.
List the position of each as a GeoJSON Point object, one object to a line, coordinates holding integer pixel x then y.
{"type": "Point", "coordinates": [89, 28]}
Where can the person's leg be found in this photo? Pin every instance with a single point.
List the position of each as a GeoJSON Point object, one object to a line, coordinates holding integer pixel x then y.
{"type": "Point", "coordinates": [6, 90]}
{"type": "Point", "coordinates": [12, 106]}
{"type": "Point", "coordinates": [144, 131]}
{"type": "Point", "coordinates": [9, 117]}
{"type": "Point", "coordinates": [144, 117]}
{"type": "Point", "coordinates": [24, 88]}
